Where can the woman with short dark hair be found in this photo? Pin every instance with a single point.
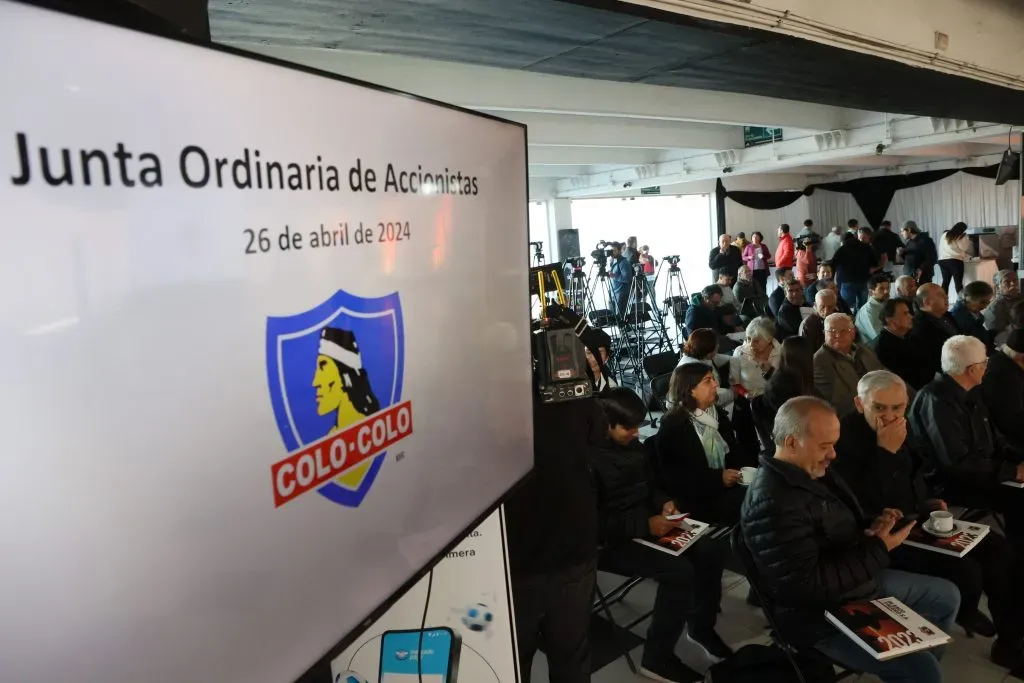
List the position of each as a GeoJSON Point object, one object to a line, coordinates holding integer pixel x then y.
{"type": "Point", "coordinates": [795, 374]}
{"type": "Point", "coordinates": [696, 456]}
{"type": "Point", "coordinates": [702, 347]}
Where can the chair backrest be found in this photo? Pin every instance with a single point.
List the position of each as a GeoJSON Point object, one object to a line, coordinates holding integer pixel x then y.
{"type": "Point", "coordinates": [764, 423]}
{"type": "Point", "coordinates": [661, 363]}
{"type": "Point", "coordinates": [659, 386]}
{"type": "Point", "coordinates": [746, 558]}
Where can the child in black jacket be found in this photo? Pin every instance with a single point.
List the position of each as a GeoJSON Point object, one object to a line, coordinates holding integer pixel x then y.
{"type": "Point", "coordinates": [630, 506]}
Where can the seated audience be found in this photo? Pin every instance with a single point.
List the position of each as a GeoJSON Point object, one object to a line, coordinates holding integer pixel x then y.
{"type": "Point", "coordinates": [822, 281]}
{"type": "Point", "coordinates": [874, 457]}
{"type": "Point", "coordinates": [697, 458]}
{"type": "Point", "coordinates": [806, 532]}
{"type": "Point", "coordinates": [967, 312]}
{"type": "Point", "coordinates": [813, 326]}
{"type": "Point", "coordinates": [1002, 390]}
{"type": "Point", "coordinates": [778, 295]}
{"type": "Point", "coordinates": [997, 315]}
{"type": "Point", "coordinates": [906, 288]}
{"type": "Point", "coordinates": [789, 317]}
{"type": "Point", "coordinates": [966, 460]}
{"type": "Point", "coordinates": [706, 313]}
{"type": "Point", "coordinates": [630, 506]}
{"type": "Point", "coordinates": [795, 375]}
{"type": "Point", "coordinates": [895, 346]}
{"type": "Point", "coordinates": [748, 294]}
{"type": "Point", "coordinates": [932, 325]}
{"type": "Point", "coordinates": [869, 318]}
{"type": "Point", "coordinates": [755, 358]}
{"type": "Point", "coordinates": [602, 374]}
{"type": "Point", "coordinates": [725, 280]}
{"type": "Point", "coordinates": [840, 363]}
{"type": "Point", "coordinates": [702, 347]}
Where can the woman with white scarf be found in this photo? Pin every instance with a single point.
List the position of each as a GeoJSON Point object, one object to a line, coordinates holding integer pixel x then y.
{"type": "Point", "coordinates": [696, 456]}
{"type": "Point", "coordinates": [755, 359]}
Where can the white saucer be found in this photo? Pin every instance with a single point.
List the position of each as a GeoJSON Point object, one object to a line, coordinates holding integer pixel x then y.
{"type": "Point", "coordinates": [941, 534]}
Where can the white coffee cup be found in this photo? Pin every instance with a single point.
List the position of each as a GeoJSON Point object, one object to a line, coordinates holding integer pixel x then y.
{"type": "Point", "coordinates": [942, 521]}
{"type": "Point", "coordinates": [747, 474]}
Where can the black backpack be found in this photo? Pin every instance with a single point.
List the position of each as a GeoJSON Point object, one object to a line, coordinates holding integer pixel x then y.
{"type": "Point", "coordinates": [769, 664]}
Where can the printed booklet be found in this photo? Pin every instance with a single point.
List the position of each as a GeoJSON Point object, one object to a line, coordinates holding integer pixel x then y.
{"type": "Point", "coordinates": [886, 627]}
{"type": "Point", "coordinates": [679, 539]}
{"type": "Point", "coordinates": [967, 535]}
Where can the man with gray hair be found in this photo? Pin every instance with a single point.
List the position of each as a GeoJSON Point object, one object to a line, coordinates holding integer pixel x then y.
{"type": "Point", "coordinates": [840, 363]}
{"type": "Point", "coordinates": [874, 457]}
{"type": "Point", "coordinates": [813, 326]}
{"type": "Point", "coordinates": [804, 530]}
{"type": "Point", "coordinates": [906, 287]}
{"type": "Point", "coordinates": [965, 459]}
{"type": "Point", "coordinates": [997, 314]}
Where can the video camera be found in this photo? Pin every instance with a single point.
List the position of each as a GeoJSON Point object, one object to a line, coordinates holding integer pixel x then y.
{"type": "Point", "coordinates": [576, 262]}
{"type": "Point", "coordinates": [560, 363]}
{"type": "Point", "coordinates": [602, 251]}
{"type": "Point", "coordinates": [672, 260]}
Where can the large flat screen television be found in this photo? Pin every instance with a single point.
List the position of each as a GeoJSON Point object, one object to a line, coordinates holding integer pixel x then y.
{"type": "Point", "coordinates": [264, 349]}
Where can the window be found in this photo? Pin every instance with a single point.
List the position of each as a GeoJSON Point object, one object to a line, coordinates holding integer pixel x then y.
{"type": "Point", "coordinates": [538, 214]}
{"type": "Point", "coordinates": [675, 225]}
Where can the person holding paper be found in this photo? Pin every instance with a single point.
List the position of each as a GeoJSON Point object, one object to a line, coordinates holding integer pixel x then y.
{"type": "Point", "coordinates": [631, 506]}
{"type": "Point", "coordinates": [813, 551]}
{"type": "Point", "coordinates": [875, 458]}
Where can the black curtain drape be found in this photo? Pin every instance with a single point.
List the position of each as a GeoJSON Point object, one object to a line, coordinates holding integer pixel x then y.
{"type": "Point", "coordinates": [873, 195]}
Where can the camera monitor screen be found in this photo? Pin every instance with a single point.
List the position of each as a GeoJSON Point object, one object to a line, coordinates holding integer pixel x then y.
{"type": "Point", "coordinates": [260, 359]}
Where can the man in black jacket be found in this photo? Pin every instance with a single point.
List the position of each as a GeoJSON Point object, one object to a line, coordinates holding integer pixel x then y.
{"type": "Point", "coordinates": [895, 346]}
{"type": "Point", "coordinates": [874, 457]}
{"type": "Point", "coordinates": [966, 459]}
{"type": "Point", "coordinates": [631, 506]}
{"type": "Point", "coordinates": [552, 529]}
{"type": "Point", "coordinates": [932, 325]}
{"type": "Point", "coordinates": [726, 256]}
{"type": "Point", "coordinates": [814, 551]}
{"type": "Point", "coordinates": [1002, 389]}
{"type": "Point", "coordinates": [787, 322]}
{"type": "Point", "coordinates": [778, 294]}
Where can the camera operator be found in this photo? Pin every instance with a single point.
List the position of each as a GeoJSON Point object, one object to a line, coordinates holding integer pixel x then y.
{"type": "Point", "coordinates": [621, 273]}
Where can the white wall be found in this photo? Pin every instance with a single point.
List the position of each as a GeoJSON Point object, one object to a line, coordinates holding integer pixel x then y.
{"type": "Point", "coordinates": [739, 218]}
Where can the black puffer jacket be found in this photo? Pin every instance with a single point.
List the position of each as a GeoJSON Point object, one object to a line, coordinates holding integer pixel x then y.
{"type": "Point", "coordinates": [626, 495]}
{"type": "Point", "coordinates": [807, 539]}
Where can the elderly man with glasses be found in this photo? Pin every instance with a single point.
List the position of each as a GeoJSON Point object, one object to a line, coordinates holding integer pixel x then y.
{"type": "Point", "coordinates": [997, 314]}
{"type": "Point", "coordinates": [966, 459]}
{"type": "Point", "coordinates": [840, 363]}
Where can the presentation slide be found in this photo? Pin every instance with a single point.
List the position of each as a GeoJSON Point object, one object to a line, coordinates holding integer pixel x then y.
{"type": "Point", "coordinates": [264, 348]}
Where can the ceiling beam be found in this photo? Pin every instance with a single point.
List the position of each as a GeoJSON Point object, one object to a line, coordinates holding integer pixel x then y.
{"type": "Point", "coordinates": [897, 136]}
{"type": "Point", "coordinates": [509, 90]}
{"type": "Point", "coordinates": [599, 131]}
{"type": "Point", "coordinates": [557, 171]}
{"type": "Point", "coordinates": [541, 155]}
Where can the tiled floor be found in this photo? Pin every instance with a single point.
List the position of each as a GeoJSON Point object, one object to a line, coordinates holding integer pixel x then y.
{"type": "Point", "coordinates": [966, 660]}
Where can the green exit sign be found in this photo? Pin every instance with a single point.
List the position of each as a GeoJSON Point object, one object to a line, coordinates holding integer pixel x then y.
{"type": "Point", "coordinates": [651, 190]}
{"type": "Point", "coordinates": [757, 135]}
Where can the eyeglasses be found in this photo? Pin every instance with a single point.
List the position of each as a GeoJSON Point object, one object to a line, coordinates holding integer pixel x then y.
{"type": "Point", "coordinates": [834, 330]}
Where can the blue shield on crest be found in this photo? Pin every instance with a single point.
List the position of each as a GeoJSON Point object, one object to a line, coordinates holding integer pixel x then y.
{"type": "Point", "coordinates": [333, 366]}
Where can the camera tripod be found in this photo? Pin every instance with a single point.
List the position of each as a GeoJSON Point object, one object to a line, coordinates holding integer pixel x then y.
{"type": "Point", "coordinates": [538, 253]}
{"type": "Point", "coordinates": [643, 324]}
{"type": "Point", "coordinates": [677, 298]}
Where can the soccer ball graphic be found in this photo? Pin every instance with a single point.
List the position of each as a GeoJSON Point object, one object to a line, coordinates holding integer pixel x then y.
{"type": "Point", "coordinates": [477, 617]}
{"type": "Point", "coordinates": [349, 677]}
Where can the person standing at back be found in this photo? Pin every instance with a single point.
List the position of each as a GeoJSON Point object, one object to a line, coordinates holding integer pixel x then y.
{"type": "Point", "coordinates": [784, 253]}
{"type": "Point", "coordinates": [830, 245]}
{"type": "Point", "coordinates": [954, 249]}
{"type": "Point", "coordinates": [853, 264]}
{"type": "Point", "coordinates": [756, 257]}
{"type": "Point", "coordinates": [725, 256]}
{"type": "Point", "coordinates": [887, 243]}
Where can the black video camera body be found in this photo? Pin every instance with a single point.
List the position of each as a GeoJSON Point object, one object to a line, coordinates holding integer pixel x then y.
{"type": "Point", "coordinates": [672, 260]}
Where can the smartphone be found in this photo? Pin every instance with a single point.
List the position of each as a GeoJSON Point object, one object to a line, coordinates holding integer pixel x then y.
{"type": "Point", "coordinates": [403, 660]}
{"type": "Point", "coordinates": [902, 522]}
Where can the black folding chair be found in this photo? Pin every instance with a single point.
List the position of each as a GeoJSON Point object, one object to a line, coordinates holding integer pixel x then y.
{"type": "Point", "coordinates": [746, 559]}
{"type": "Point", "coordinates": [603, 603]}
